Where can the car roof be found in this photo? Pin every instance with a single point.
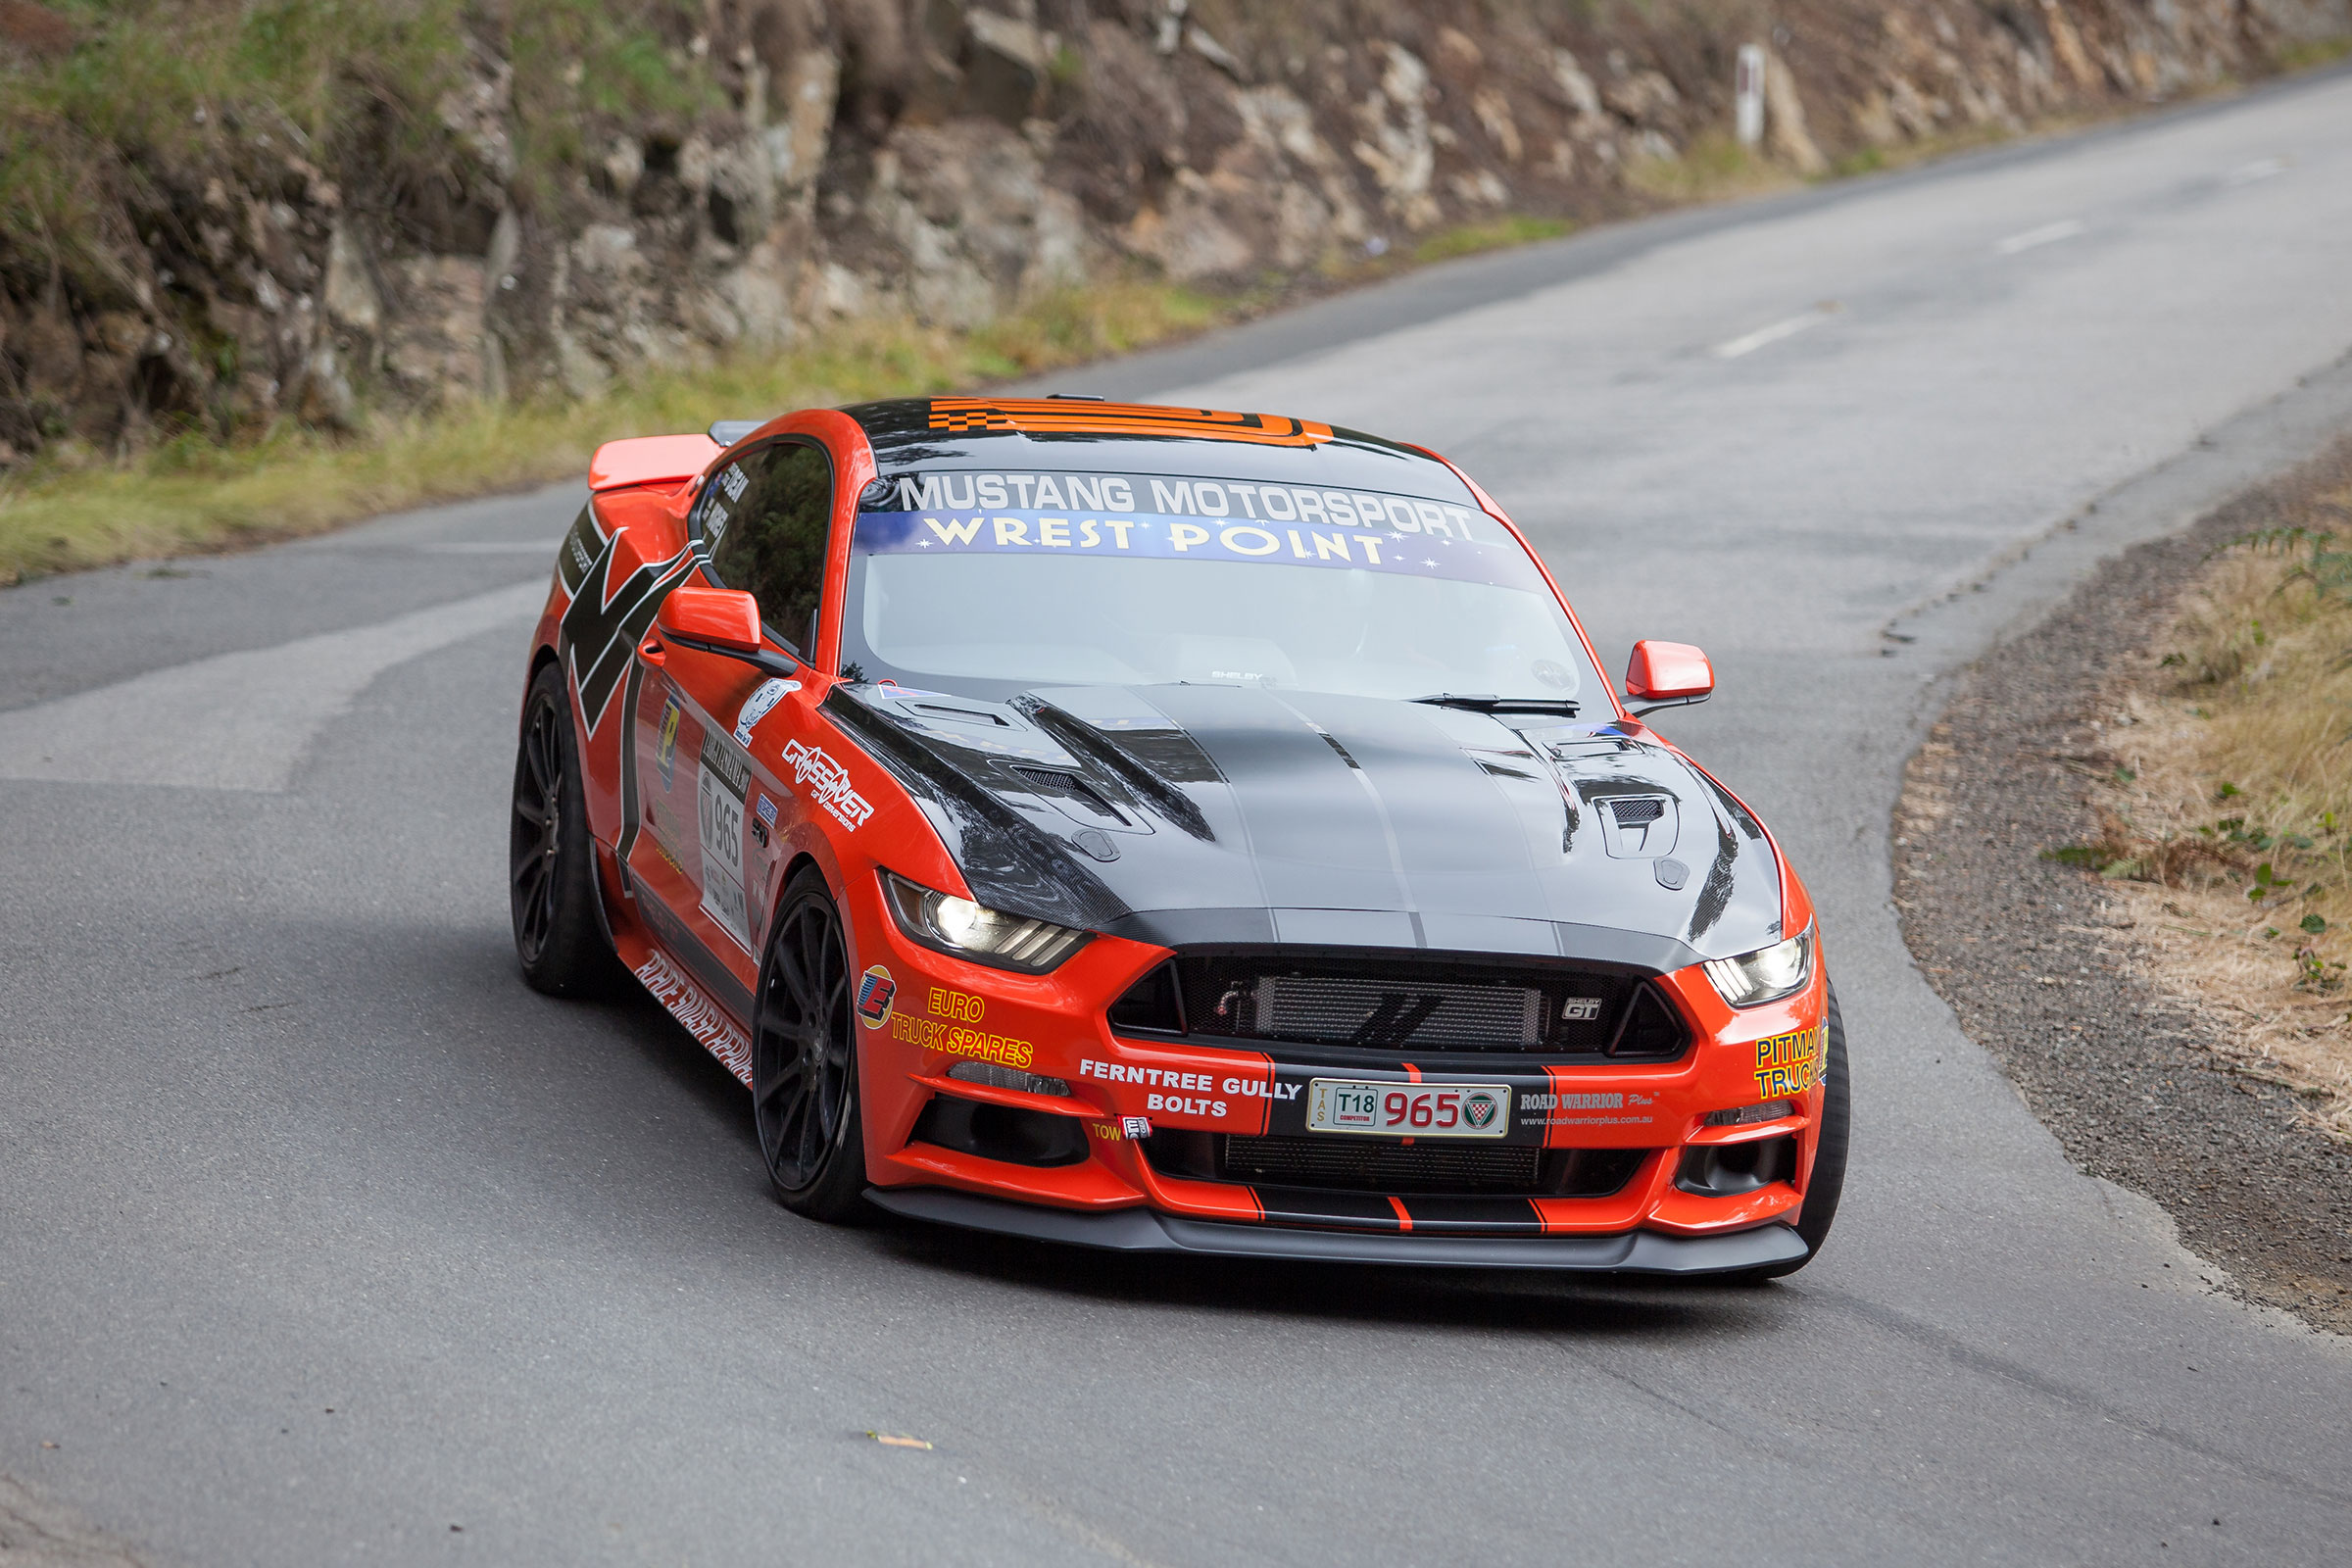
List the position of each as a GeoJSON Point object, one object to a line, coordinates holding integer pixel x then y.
{"type": "Point", "coordinates": [1093, 435]}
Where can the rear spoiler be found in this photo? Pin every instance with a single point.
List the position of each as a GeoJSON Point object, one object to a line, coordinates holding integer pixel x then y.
{"type": "Point", "coordinates": [663, 458]}
{"type": "Point", "coordinates": [649, 460]}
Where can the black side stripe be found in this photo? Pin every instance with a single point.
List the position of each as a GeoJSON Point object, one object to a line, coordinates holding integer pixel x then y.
{"type": "Point", "coordinates": [627, 838]}
{"type": "Point", "coordinates": [603, 624]}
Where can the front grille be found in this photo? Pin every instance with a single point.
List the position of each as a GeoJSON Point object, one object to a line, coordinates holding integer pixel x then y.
{"type": "Point", "coordinates": [1381, 1012]}
{"type": "Point", "coordinates": [1409, 1005]}
{"type": "Point", "coordinates": [1332, 1162]}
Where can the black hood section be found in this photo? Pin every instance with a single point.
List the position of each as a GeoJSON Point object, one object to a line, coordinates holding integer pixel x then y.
{"type": "Point", "coordinates": [1221, 814]}
{"type": "Point", "coordinates": [1007, 862]}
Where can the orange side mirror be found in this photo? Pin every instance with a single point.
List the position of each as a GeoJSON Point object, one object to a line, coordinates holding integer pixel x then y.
{"type": "Point", "coordinates": [718, 620]}
{"type": "Point", "coordinates": [1668, 673]}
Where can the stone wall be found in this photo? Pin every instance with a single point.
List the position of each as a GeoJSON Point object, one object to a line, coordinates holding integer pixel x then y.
{"type": "Point", "coordinates": [951, 160]}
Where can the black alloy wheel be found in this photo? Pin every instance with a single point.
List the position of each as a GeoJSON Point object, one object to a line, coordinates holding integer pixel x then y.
{"type": "Point", "coordinates": [805, 1058]}
{"type": "Point", "coordinates": [559, 930]}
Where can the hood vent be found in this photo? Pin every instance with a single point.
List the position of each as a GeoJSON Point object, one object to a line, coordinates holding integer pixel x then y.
{"type": "Point", "coordinates": [1074, 795]}
{"type": "Point", "coordinates": [1638, 827]}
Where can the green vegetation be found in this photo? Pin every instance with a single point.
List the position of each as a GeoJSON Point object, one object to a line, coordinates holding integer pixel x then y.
{"type": "Point", "coordinates": [2310, 56]}
{"type": "Point", "coordinates": [1713, 168]}
{"type": "Point", "coordinates": [1468, 239]}
{"type": "Point", "coordinates": [155, 88]}
{"type": "Point", "coordinates": [193, 495]}
{"type": "Point", "coordinates": [625, 61]}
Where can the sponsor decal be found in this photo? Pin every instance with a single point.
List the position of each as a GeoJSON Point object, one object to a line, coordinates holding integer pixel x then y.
{"type": "Point", "coordinates": [756, 706]}
{"type": "Point", "coordinates": [960, 1005]}
{"type": "Point", "coordinates": [1579, 1010]}
{"type": "Point", "coordinates": [1171, 537]}
{"type": "Point", "coordinates": [1480, 1110]}
{"type": "Point", "coordinates": [1789, 1064]}
{"type": "Point", "coordinates": [1211, 500]}
{"type": "Point", "coordinates": [1585, 1102]}
{"type": "Point", "coordinates": [578, 557]}
{"type": "Point", "coordinates": [961, 1040]}
{"type": "Point", "coordinates": [1182, 1106]}
{"type": "Point", "coordinates": [1160, 1077]}
{"type": "Point", "coordinates": [1567, 1110]}
{"type": "Point", "coordinates": [704, 1018]}
{"type": "Point", "coordinates": [1194, 1090]}
{"type": "Point", "coordinates": [829, 782]}
{"type": "Point", "coordinates": [767, 811]}
{"type": "Point", "coordinates": [1135, 1126]}
{"type": "Point", "coordinates": [665, 751]}
{"type": "Point", "coordinates": [875, 991]}
{"type": "Point", "coordinates": [719, 814]}
{"type": "Point", "coordinates": [947, 1029]}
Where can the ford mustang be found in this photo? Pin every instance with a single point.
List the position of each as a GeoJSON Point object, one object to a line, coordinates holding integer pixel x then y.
{"type": "Point", "coordinates": [1167, 831]}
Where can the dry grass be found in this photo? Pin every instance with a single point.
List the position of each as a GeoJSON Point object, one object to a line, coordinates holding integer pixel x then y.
{"type": "Point", "coordinates": [2228, 817]}
{"type": "Point", "coordinates": [194, 496]}
{"type": "Point", "coordinates": [1714, 168]}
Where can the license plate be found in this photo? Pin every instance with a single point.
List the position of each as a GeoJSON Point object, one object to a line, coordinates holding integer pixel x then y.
{"type": "Point", "coordinates": [1409, 1110]}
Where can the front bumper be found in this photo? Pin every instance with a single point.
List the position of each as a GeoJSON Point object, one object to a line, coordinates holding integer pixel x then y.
{"type": "Point", "coordinates": [1143, 1229]}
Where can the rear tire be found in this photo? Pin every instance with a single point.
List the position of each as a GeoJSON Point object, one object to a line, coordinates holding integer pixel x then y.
{"type": "Point", "coordinates": [805, 1091]}
{"type": "Point", "coordinates": [559, 928]}
{"type": "Point", "coordinates": [1820, 1209]}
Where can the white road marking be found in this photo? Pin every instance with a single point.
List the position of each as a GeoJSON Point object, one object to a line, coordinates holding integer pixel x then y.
{"type": "Point", "coordinates": [235, 721]}
{"type": "Point", "coordinates": [2047, 234]}
{"type": "Point", "coordinates": [2260, 168]}
{"type": "Point", "coordinates": [495, 547]}
{"type": "Point", "coordinates": [1749, 342]}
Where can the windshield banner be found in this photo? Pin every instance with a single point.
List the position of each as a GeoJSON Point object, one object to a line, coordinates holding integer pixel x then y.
{"type": "Point", "coordinates": [1164, 496]}
{"type": "Point", "coordinates": [1493, 559]}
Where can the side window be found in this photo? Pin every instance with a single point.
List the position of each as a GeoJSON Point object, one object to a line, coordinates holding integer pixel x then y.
{"type": "Point", "coordinates": [763, 520]}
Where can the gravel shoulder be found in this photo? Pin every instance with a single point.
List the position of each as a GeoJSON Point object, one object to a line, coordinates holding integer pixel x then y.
{"type": "Point", "coordinates": [2046, 968]}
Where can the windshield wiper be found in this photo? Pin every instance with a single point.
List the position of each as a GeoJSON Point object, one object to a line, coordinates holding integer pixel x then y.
{"type": "Point", "coordinates": [1489, 703]}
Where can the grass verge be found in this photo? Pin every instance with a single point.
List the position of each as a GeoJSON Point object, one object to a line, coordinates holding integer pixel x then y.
{"type": "Point", "coordinates": [192, 496]}
{"type": "Point", "coordinates": [2228, 816]}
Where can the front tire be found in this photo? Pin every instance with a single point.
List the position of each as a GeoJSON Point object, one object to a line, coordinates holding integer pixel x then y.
{"type": "Point", "coordinates": [559, 930]}
{"type": "Point", "coordinates": [805, 1094]}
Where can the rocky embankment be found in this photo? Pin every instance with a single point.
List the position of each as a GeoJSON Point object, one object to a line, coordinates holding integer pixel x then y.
{"type": "Point", "coordinates": [545, 195]}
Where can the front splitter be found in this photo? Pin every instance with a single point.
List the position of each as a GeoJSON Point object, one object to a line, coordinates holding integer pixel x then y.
{"type": "Point", "coordinates": [1143, 1230]}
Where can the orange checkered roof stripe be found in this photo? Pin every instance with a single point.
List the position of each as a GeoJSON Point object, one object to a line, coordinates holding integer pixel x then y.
{"type": "Point", "coordinates": [1053, 416]}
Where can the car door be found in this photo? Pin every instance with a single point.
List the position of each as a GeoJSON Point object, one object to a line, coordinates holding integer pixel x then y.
{"type": "Point", "coordinates": [710, 819]}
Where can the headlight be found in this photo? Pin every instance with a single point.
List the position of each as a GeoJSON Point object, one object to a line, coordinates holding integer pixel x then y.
{"type": "Point", "coordinates": [975, 931]}
{"type": "Point", "coordinates": [1766, 974]}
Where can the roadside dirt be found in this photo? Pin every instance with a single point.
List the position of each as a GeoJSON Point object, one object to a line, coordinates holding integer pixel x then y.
{"type": "Point", "coordinates": [2049, 968]}
{"type": "Point", "coordinates": [38, 1531]}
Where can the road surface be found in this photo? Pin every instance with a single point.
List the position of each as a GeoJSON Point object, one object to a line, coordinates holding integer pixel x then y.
{"type": "Point", "coordinates": [322, 1240]}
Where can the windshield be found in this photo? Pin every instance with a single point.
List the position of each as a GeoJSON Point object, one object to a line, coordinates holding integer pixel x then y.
{"type": "Point", "coordinates": [1145, 579]}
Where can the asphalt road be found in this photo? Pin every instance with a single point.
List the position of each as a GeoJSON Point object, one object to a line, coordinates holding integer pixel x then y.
{"type": "Point", "coordinates": [323, 1240]}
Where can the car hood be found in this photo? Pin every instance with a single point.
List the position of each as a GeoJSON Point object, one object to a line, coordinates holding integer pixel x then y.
{"type": "Point", "coordinates": [1190, 814]}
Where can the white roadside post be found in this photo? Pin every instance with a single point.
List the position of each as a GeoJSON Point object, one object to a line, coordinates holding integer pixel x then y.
{"type": "Point", "coordinates": [1747, 95]}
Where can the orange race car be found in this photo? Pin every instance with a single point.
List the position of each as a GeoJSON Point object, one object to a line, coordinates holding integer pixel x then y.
{"type": "Point", "coordinates": [1169, 830]}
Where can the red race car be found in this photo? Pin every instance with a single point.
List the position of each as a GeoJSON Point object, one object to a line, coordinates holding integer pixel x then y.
{"type": "Point", "coordinates": [1170, 830]}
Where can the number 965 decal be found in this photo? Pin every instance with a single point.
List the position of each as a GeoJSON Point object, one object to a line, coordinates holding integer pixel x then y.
{"type": "Point", "coordinates": [1392, 1109]}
